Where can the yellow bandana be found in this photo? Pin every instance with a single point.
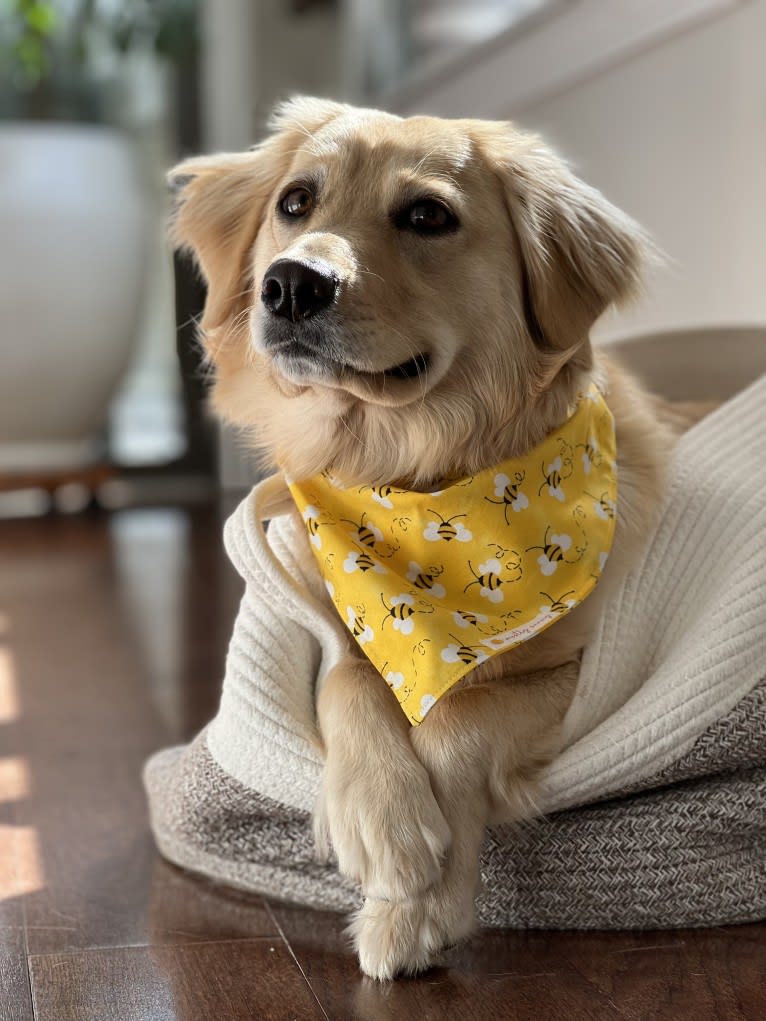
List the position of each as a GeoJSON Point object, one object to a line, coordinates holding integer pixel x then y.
{"type": "Point", "coordinates": [432, 584]}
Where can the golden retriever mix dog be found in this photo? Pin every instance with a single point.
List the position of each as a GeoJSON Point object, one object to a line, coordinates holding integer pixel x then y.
{"type": "Point", "coordinates": [403, 301]}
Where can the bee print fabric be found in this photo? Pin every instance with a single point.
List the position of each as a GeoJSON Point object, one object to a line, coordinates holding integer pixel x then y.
{"type": "Point", "coordinates": [433, 584]}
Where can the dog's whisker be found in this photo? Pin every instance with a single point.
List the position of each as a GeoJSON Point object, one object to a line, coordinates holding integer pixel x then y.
{"type": "Point", "coordinates": [193, 320]}
{"type": "Point", "coordinates": [371, 273]}
{"type": "Point", "coordinates": [240, 318]}
{"type": "Point", "coordinates": [246, 291]}
{"type": "Point", "coordinates": [422, 161]}
{"type": "Point", "coordinates": [303, 129]}
{"type": "Point", "coordinates": [344, 422]}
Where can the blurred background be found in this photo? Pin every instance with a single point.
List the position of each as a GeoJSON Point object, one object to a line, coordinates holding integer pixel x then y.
{"type": "Point", "coordinates": [102, 391]}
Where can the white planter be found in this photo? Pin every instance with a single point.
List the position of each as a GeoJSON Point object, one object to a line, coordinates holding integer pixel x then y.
{"type": "Point", "coordinates": [73, 244]}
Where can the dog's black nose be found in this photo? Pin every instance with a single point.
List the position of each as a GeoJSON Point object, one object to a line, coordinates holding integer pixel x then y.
{"type": "Point", "coordinates": [295, 290]}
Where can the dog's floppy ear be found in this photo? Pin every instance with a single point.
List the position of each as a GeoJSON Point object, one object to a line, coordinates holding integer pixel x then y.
{"type": "Point", "coordinates": [218, 204]}
{"type": "Point", "coordinates": [220, 201]}
{"type": "Point", "coordinates": [580, 254]}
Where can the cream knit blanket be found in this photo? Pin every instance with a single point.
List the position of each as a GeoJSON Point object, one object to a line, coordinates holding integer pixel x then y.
{"type": "Point", "coordinates": [681, 646]}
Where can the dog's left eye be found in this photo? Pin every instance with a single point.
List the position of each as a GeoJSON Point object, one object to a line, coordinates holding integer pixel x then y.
{"type": "Point", "coordinates": [297, 202]}
{"type": "Point", "coordinates": [427, 216]}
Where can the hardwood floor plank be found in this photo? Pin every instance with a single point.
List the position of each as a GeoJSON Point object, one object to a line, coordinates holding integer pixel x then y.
{"type": "Point", "coordinates": [681, 975]}
{"type": "Point", "coordinates": [14, 787]}
{"type": "Point", "coordinates": [490, 979]}
{"type": "Point", "coordinates": [11, 907]}
{"type": "Point", "coordinates": [105, 675]}
{"type": "Point", "coordinates": [689, 975]}
{"type": "Point", "coordinates": [15, 999]}
{"type": "Point", "coordinates": [231, 981]}
{"type": "Point", "coordinates": [187, 908]}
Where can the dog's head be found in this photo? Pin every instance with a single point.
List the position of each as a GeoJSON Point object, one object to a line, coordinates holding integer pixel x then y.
{"type": "Point", "coordinates": [398, 298]}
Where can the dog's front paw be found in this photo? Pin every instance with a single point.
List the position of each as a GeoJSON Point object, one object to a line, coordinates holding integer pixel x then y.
{"type": "Point", "coordinates": [383, 821]}
{"type": "Point", "coordinates": [405, 938]}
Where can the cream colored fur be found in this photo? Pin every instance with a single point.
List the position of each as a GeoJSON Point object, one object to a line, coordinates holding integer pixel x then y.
{"type": "Point", "coordinates": [503, 307]}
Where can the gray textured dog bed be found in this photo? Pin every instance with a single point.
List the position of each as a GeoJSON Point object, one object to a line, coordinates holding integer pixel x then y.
{"type": "Point", "coordinates": [656, 808]}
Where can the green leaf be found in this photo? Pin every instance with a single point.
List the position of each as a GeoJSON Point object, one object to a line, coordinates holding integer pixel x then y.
{"type": "Point", "coordinates": [41, 18]}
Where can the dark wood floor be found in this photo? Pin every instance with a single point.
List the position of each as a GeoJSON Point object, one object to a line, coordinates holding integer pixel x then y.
{"type": "Point", "coordinates": [113, 631]}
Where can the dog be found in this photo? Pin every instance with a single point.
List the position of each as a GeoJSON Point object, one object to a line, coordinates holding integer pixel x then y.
{"type": "Point", "coordinates": [396, 302]}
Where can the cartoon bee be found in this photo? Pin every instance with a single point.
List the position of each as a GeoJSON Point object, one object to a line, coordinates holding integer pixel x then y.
{"type": "Point", "coordinates": [425, 579]}
{"type": "Point", "coordinates": [426, 702]}
{"type": "Point", "coordinates": [314, 519]}
{"type": "Point", "coordinates": [557, 471]}
{"type": "Point", "coordinates": [464, 619]}
{"type": "Point", "coordinates": [560, 605]}
{"type": "Point", "coordinates": [445, 529]}
{"type": "Point", "coordinates": [604, 506]}
{"type": "Point", "coordinates": [401, 612]}
{"type": "Point", "coordinates": [488, 577]}
{"type": "Point", "coordinates": [361, 560]}
{"type": "Point", "coordinates": [393, 678]}
{"type": "Point", "coordinates": [553, 552]}
{"type": "Point", "coordinates": [459, 652]}
{"type": "Point", "coordinates": [396, 680]}
{"type": "Point", "coordinates": [508, 493]}
{"type": "Point", "coordinates": [591, 455]}
{"type": "Point", "coordinates": [333, 480]}
{"type": "Point", "coordinates": [365, 532]}
{"type": "Point", "coordinates": [357, 625]}
{"type": "Point", "coordinates": [381, 495]}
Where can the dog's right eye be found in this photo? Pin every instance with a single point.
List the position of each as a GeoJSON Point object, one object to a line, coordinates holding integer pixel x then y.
{"type": "Point", "coordinates": [297, 202]}
{"type": "Point", "coordinates": [427, 217]}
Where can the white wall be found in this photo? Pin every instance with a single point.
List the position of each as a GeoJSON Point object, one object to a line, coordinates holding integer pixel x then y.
{"type": "Point", "coordinates": [677, 137]}
{"type": "Point", "coordinates": [663, 107]}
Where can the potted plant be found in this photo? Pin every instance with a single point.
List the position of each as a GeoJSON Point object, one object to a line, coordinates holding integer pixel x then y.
{"type": "Point", "coordinates": [75, 217]}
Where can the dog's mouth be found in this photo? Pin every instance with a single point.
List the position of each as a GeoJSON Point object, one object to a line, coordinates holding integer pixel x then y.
{"type": "Point", "coordinates": [414, 368]}
{"type": "Point", "coordinates": [318, 351]}
{"type": "Point", "coordinates": [303, 363]}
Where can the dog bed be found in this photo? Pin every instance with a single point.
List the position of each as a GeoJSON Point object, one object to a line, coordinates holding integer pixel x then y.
{"type": "Point", "coordinates": [655, 811]}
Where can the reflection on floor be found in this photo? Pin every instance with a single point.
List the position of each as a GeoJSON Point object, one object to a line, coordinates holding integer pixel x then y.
{"type": "Point", "coordinates": [113, 631]}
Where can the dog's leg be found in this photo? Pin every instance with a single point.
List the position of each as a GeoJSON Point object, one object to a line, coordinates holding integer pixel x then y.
{"type": "Point", "coordinates": [376, 801]}
{"type": "Point", "coordinates": [483, 747]}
